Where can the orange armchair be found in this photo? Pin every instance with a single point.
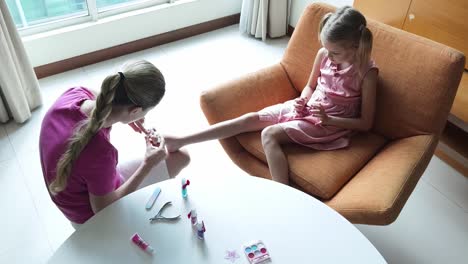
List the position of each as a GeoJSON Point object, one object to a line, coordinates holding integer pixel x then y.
{"type": "Point", "coordinates": [369, 181]}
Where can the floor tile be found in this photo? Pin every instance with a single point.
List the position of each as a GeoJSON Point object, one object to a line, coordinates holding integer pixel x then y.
{"type": "Point", "coordinates": [27, 252]}
{"type": "Point", "coordinates": [448, 181]}
{"type": "Point", "coordinates": [430, 229]}
{"type": "Point", "coordinates": [57, 227]}
{"type": "Point", "coordinates": [53, 86]}
{"type": "Point", "coordinates": [23, 235]}
{"type": "Point", "coordinates": [6, 149]}
{"type": "Point", "coordinates": [96, 73]}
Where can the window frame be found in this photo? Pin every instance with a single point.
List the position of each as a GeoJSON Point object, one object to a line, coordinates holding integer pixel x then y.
{"type": "Point", "coordinates": [128, 7]}
{"type": "Point", "coordinates": [92, 15]}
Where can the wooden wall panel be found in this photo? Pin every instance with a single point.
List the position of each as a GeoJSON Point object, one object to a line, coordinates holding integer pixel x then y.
{"type": "Point", "coordinates": [392, 13]}
{"type": "Point", "coordinates": [443, 21]}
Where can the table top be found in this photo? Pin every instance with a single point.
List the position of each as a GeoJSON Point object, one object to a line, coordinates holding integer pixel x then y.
{"type": "Point", "coordinates": [295, 227]}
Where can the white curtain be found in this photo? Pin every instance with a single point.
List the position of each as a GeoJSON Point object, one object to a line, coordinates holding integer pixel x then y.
{"type": "Point", "coordinates": [262, 17]}
{"type": "Point", "coordinates": [19, 88]}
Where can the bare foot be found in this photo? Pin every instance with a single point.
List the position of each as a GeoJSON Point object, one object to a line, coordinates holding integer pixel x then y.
{"type": "Point", "coordinates": [173, 143]}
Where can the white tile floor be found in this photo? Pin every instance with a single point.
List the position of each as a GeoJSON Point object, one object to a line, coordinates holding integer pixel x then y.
{"type": "Point", "coordinates": [432, 228]}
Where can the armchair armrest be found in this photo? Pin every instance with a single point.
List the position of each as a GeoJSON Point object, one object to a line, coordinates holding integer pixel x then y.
{"type": "Point", "coordinates": [377, 193]}
{"type": "Point", "coordinates": [249, 93]}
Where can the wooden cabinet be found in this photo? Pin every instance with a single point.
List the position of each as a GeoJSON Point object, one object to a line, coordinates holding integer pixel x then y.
{"type": "Point", "coordinates": [460, 104]}
{"type": "Point", "coordinates": [444, 21]}
{"type": "Point", "coordinates": [392, 13]}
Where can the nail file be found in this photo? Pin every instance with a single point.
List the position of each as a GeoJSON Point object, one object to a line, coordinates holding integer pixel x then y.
{"type": "Point", "coordinates": [153, 198]}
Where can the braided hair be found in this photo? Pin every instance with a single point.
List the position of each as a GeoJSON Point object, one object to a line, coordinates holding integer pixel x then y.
{"type": "Point", "coordinates": [140, 84]}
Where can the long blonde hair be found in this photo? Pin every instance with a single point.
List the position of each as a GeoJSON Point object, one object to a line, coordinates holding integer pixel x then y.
{"type": "Point", "coordinates": [140, 84]}
{"type": "Point", "coordinates": [348, 24]}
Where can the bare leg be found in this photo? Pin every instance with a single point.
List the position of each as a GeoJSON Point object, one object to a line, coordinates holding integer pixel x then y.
{"type": "Point", "coordinates": [272, 138]}
{"type": "Point", "coordinates": [245, 123]}
{"type": "Point", "coordinates": [176, 161]}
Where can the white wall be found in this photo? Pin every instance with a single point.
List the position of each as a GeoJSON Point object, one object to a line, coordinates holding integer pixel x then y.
{"type": "Point", "coordinates": [298, 6]}
{"type": "Point", "coordinates": [81, 39]}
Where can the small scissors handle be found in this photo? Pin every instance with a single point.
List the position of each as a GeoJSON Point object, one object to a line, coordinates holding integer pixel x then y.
{"type": "Point", "coordinates": [165, 218]}
{"type": "Point", "coordinates": [159, 215]}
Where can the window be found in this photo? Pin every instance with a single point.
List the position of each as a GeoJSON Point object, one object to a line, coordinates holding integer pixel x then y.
{"type": "Point", "coordinates": [33, 16]}
{"type": "Point", "coordinates": [103, 5]}
{"type": "Point", "coordinates": [28, 13]}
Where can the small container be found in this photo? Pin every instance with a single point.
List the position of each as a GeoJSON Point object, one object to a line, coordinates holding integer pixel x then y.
{"type": "Point", "coordinates": [137, 240]}
{"type": "Point", "coordinates": [193, 216]}
{"type": "Point", "coordinates": [256, 252]}
{"type": "Point", "coordinates": [201, 229]}
{"type": "Point", "coordinates": [185, 183]}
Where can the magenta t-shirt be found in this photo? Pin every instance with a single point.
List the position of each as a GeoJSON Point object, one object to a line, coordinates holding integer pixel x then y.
{"type": "Point", "coordinates": [94, 171]}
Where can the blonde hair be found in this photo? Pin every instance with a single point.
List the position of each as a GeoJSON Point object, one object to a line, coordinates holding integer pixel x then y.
{"type": "Point", "coordinates": [139, 84]}
{"type": "Point", "coordinates": [348, 24]}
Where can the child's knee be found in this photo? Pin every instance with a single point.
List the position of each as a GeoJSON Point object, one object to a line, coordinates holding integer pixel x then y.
{"type": "Point", "coordinates": [269, 136]}
{"type": "Point", "coordinates": [246, 121]}
{"type": "Point", "coordinates": [249, 118]}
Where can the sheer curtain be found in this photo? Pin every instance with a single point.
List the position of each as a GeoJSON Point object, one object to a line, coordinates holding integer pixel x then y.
{"type": "Point", "coordinates": [19, 88]}
{"type": "Point", "coordinates": [262, 17]}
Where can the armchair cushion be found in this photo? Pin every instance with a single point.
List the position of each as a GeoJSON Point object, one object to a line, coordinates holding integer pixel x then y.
{"type": "Point", "coordinates": [321, 173]}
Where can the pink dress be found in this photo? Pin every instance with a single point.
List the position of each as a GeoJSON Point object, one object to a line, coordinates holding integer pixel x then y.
{"type": "Point", "coordinates": [339, 93]}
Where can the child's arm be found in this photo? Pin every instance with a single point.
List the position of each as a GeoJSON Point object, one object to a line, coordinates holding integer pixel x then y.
{"type": "Point", "coordinates": [153, 157]}
{"type": "Point", "coordinates": [363, 123]}
{"type": "Point", "coordinates": [301, 101]}
{"type": "Point", "coordinates": [312, 83]}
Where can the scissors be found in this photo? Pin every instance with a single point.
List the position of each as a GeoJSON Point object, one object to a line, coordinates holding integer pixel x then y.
{"type": "Point", "coordinates": [159, 215]}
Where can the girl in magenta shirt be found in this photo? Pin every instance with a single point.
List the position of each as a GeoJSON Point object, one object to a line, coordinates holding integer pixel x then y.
{"type": "Point", "coordinates": [338, 99]}
{"type": "Point", "coordinates": [78, 161]}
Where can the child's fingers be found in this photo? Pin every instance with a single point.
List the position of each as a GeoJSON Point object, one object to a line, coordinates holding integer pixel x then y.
{"type": "Point", "coordinates": [149, 145]}
{"type": "Point", "coordinates": [322, 111]}
{"type": "Point", "coordinates": [140, 126]}
{"type": "Point", "coordinates": [300, 100]}
{"type": "Point", "coordinates": [162, 141]}
{"type": "Point", "coordinates": [141, 120]}
{"type": "Point", "coordinates": [317, 109]}
{"type": "Point", "coordinates": [134, 127]}
{"type": "Point", "coordinates": [156, 141]}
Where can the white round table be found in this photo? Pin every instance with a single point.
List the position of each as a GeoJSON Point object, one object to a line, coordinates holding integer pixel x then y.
{"type": "Point", "coordinates": [295, 227]}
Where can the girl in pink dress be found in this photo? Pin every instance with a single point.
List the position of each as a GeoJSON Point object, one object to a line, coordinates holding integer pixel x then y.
{"type": "Point", "coordinates": [339, 98]}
